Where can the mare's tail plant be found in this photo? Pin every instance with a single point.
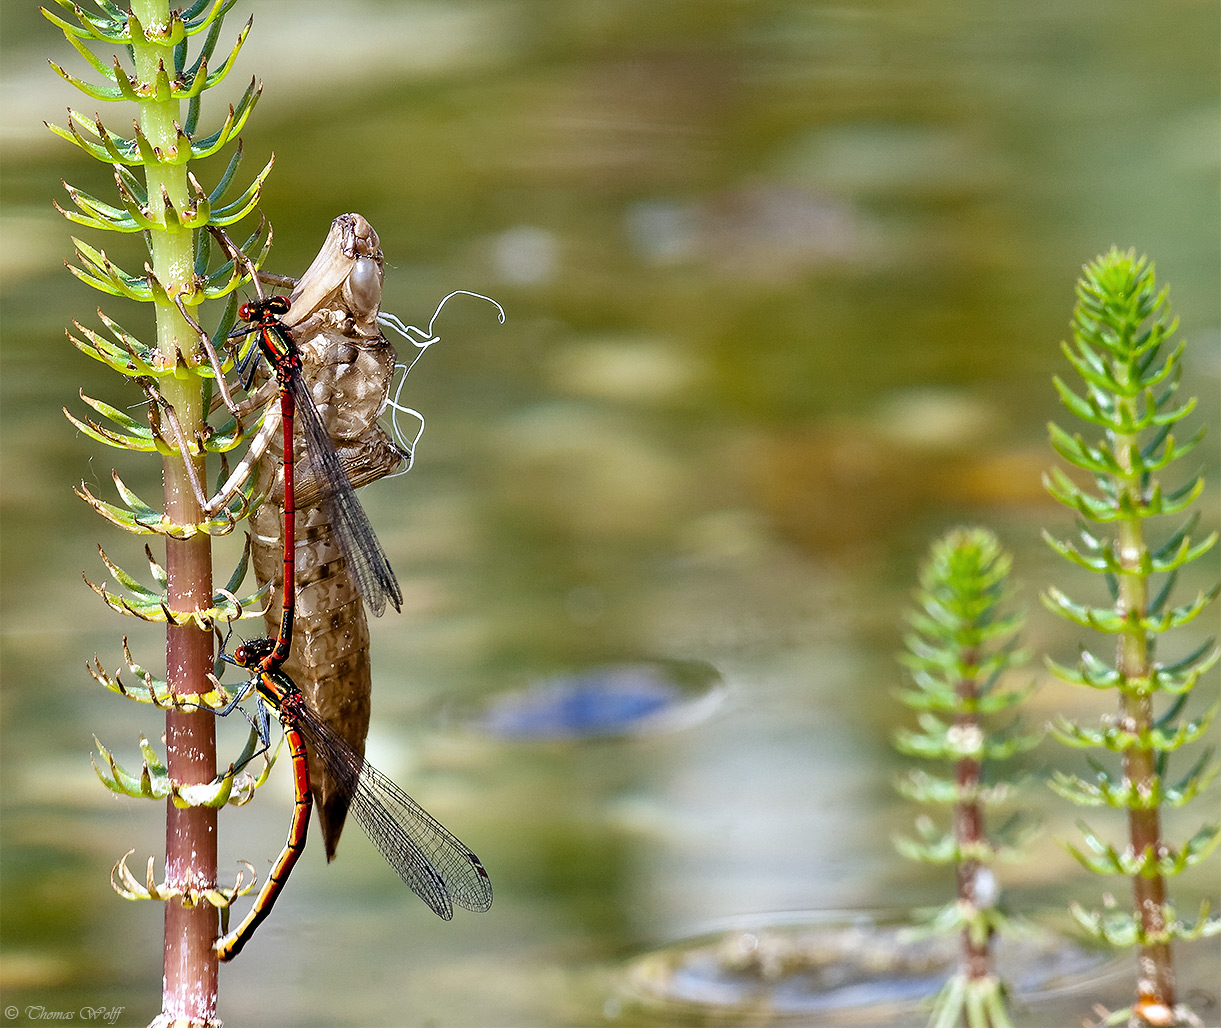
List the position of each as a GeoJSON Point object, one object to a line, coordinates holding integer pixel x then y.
{"type": "Point", "coordinates": [149, 66]}
{"type": "Point", "coordinates": [959, 648]}
{"type": "Point", "coordinates": [1130, 372]}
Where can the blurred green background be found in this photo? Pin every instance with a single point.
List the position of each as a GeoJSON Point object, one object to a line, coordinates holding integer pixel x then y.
{"type": "Point", "coordinates": [785, 284]}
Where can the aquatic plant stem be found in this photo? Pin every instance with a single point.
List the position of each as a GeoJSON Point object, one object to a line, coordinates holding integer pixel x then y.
{"type": "Point", "coordinates": [169, 210]}
{"type": "Point", "coordinates": [1156, 978]}
{"type": "Point", "coordinates": [190, 980]}
{"type": "Point", "coordinates": [189, 986]}
{"type": "Point", "coordinates": [190, 964]}
{"type": "Point", "coordinates": [969, 829]}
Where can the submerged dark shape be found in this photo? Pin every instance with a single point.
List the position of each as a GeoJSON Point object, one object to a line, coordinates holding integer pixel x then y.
{"type": "Point", "coordinates": [611, 700]}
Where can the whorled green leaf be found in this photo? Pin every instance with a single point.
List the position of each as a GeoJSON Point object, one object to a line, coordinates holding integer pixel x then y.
{"type": "Point", "coordinates": [100, 273]}
{"type": "Point", "coordinates": [1072, 734]}
{"type": "Point", "coordinates": [141, 519]}
{"type": "Point", "coordinates": [1116, 928]}
{"type": "Point", "coordinates": [151, 783]}
{"type": "Point", "coordinates": [108, 94]}
{"type": "Point", "coordinates": [1111, 737]}
{"type": "Point", "coordinates": [1085, 794]}
{"type": "Point", "coordinates": [923, 787]}
{"type": "Point", "coordinates": [1179, 616]}
{"type": "Point", "coordinates": [1089, 672]}
{"type": "Point", "coordinates": [1181, 677]}
{"type": "Point", "coordinates": [1096, 373]}
{"type": "Point", "coordinates": [151, 689]}
{"type": "Point", "coordinates": [1175, 502]}
{"type": "Point", "coordinates": [1147, 463]}
{"type": "Point", "coordinates": [131, 359]}
{"type": "Point", "coordinates": [1065, 491]}
{"type": "Point", "coordinates": [244, 204]}
{"type": "Point", "coordinates": [125, 885]}
{"type": "Point", "coordinates": [153, 604]}
{"type": "Point", "coordinates": [108, 148]}
{"type": "Point", "coordinates": [939, 695]}
{"type": "Point", "coordinates": [1184, 553]}
{"type": "Point", "coordinates": [201, 78]}
{"type": "Point", "coordinates": [1106, 791]}
{"type": "Point", "coordinates": [937, 847]}
{"type": "Point", "coordinates": [1123, 930]}
{"type": "Point", "coordinates": [233, 124]}
{"type": "Point", "coordinates": [105, 217]}
{"type": "Point", "coordinates": [1087, 408]}
{"type": "Point", "coordinates": [203, 13]}
{"type": "Point", "coordinates": [1105, 859]}
{"type": "Point", "coordinates": [132, 435]}
{"type": "Point", "coordinates": [1103, 561]}
{"type": "Point", "coordinates": [1101, 619]}
{"type": "Point", "coordinates": [110, 26]}
{"type": "Point", "coordinates": [137, 151]}
{"type": "Point", "coordinates": [154, 781]}
{"type": "Point", "coordinates": [1081, 454]}
{"type": "Point", "coordinates": [1193, 783]}
{"type": "Point", "coordinates": [945, 851]}
{"type": "Point", "coordinates": [1111, 622]}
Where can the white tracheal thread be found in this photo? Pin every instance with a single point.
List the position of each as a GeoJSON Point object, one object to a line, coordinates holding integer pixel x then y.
{"type": "Point", "coordinates": [421, 339]}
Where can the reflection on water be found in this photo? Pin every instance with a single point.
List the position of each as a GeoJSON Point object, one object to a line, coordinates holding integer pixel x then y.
{"type": "Point", "coordinates": [838, 968]}
{"type": "Point", "coordinates": [784, 284]}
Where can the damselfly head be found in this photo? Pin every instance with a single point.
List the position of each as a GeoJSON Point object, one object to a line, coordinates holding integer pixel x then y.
{"type": "Point", "coordinates": [256, 310]}
{"type": "Point", "coordinates": [248, 654]}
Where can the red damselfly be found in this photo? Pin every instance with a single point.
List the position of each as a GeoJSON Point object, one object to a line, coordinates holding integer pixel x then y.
{"type": "Point", "coordinates": [427, 856]}
{"type": "Point", "coordinates": [358, 543]}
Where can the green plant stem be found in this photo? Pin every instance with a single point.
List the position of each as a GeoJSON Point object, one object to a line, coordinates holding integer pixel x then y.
{"type": "Point", "coordinates": [189, 990]}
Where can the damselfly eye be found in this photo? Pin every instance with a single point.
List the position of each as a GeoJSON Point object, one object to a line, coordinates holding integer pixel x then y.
{"type": "Point", "coordinates": [245, 313]}
{"type": "Point", "coordinates": [240, 656]}
{"type": "Point", "coordinates": [277, 304]}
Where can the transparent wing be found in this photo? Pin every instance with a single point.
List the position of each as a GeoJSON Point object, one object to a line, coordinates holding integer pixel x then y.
{"type": "Point", "coordinates": [427, 855]}
{"type": "Point", "coordinates": [362, 552]}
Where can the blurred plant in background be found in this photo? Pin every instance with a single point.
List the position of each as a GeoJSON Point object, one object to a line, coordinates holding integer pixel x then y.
{"type": "Point", "coordinates": [1121, 330]}
{"type": "Point", "coordinates": [960, 646]}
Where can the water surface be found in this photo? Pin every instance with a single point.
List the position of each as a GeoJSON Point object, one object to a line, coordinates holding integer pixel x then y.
{"type": "Point", "coordinates": [785, 285]}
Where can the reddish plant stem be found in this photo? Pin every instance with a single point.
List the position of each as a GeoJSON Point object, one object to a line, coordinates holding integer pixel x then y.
{"type": "Point", "coordinates": [969, 832]}
{"type": "Point", "coordinates": [190, 982]}
{"type": "Point", "coordinates": [1155, 965]}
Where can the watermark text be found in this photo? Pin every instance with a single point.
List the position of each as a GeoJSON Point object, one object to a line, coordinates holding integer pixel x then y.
{"type": "Point", "coordinates": [91, 1015]}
